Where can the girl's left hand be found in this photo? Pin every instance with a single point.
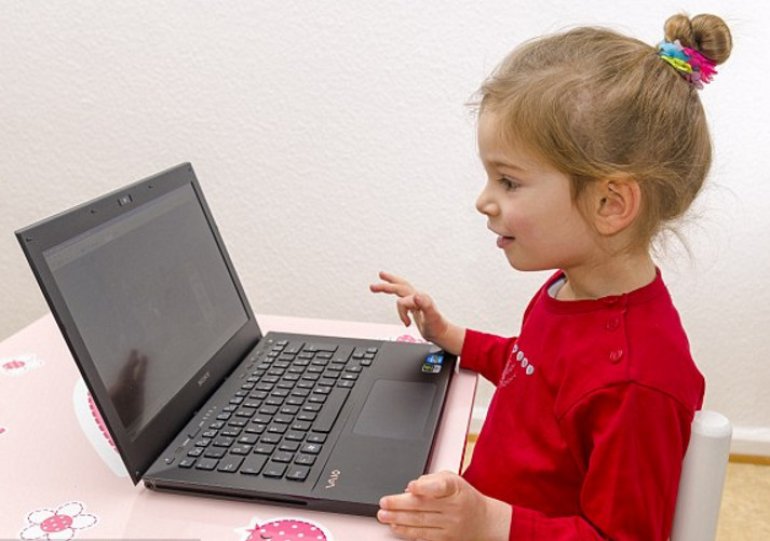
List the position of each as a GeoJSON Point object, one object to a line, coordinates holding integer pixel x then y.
{"type": "Point", "coordinates": [445, 507]}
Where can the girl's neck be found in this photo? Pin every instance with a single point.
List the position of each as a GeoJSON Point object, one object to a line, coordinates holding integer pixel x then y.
{"type": "Point", "coordinates": [613, 276]}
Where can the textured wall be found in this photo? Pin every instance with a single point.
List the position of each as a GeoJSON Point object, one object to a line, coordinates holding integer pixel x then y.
{"type": "Point", "coordinates": [332, 141]}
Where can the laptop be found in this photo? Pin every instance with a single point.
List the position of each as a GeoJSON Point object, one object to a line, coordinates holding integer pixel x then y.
{"type": "Point", "coordinates": [195, 397]}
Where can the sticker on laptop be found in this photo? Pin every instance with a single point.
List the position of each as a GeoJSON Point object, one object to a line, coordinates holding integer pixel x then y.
{"type": "Point", "coordinates": [433, 363]}
{"type": "Point", "coordinates": [95, 430]}
{"type": "Point", "coordinates": [20, 364]}
{"type": "Point", "coordinates": [63, 523]}
{"type": "Point", "coordinates": [284, 529]}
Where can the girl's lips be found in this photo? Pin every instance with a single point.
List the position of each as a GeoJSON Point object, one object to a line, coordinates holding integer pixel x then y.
{"type": "Point", "coordinates": [502, 241]}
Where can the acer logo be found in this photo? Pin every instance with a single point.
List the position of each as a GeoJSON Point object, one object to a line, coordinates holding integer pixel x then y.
{"type": "Point", "coordinates": [333, 477]}
{"type": "Point", "coordinates": [204, 379]}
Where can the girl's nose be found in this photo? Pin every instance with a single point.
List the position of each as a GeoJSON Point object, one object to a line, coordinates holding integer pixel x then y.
{"type": "Point", "coordinates": [486, 204]}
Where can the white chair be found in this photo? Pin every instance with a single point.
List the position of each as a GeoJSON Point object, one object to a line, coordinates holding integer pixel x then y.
{"type": "Point", "coordinates": [703, 478]}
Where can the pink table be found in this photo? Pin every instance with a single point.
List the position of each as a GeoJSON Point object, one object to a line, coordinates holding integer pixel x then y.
{"type": "Point", "coordinates": [61, 479]}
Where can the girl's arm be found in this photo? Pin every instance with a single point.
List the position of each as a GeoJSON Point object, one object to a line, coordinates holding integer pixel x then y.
{"type": "Point", "coordinates": [631, 440]}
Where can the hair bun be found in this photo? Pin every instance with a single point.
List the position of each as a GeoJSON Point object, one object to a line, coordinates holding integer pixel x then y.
{"type": "Point", "coordinates": [705, 33]}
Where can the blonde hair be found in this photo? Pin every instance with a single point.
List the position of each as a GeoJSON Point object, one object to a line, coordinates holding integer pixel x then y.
{"type": "Point", "coordinates": [596, 104]}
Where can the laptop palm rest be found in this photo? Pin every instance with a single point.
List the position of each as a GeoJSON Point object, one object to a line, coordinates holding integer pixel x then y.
{"type": "Point", "coordinates": [372, 458]}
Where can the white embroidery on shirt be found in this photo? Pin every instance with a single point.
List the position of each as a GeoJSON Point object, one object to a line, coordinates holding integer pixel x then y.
{"type": "Point", "coordinates": [517, 361]}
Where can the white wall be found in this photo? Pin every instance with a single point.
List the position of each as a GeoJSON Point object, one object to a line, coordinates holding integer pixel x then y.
{"type": "Point", "coordinates": [332, 141]}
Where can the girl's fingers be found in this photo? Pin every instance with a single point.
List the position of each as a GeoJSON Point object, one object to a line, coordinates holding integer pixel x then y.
{"type": "Point", "coordinates": [404, 306]}
{"type": "Point", "coordinates": [393, 289]}
{"type": "Point", "coordinates": [392, 278]}
{"type": "Point", "coordinates": [438, 485]}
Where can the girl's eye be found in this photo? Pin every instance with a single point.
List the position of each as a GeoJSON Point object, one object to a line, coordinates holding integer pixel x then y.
{"type": "Point", "coordinates": [508, 183]}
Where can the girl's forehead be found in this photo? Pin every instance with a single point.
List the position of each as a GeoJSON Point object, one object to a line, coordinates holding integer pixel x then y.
{"type": "Point", "coordinates": [497, 149]}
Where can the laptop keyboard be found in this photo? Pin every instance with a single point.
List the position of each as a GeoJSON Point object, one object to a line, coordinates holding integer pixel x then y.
{"type": "Point", "coordinates": [277, 423]}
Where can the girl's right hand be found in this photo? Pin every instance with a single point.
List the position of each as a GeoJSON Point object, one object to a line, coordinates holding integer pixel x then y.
{"type": "Point", "coordinates": [433, 326]}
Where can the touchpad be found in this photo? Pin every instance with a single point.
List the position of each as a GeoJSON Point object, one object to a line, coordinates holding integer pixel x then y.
{"type": "Point", "coordinates": [396, 409]}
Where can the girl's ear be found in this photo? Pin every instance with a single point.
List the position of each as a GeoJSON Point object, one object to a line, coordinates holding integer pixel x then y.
{"type": "Point", "coordinates": [618, 202]}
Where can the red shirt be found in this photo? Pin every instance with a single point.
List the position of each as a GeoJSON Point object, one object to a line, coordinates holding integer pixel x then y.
{"type": "Point", "coordinates": [591, 417]}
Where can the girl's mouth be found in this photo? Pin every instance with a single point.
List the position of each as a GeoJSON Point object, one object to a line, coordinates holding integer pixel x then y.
{"type": "Point", "coordinates": [502, 241]}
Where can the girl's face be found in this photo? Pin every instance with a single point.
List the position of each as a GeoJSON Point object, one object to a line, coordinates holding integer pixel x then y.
{"type": "Point", "coordinates": [529, 206]}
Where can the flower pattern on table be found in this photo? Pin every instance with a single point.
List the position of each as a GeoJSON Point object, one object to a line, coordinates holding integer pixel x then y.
{"type": "Point", "coordinates": [409, 339]}
{"type": "Point", "coordinates": [94, 428]}
{"type": "Point", "coordinates": [19, 364]}
{"type": "Point", "coordinates": [62, 524]}
{"type": "Point", "coordinates": [284, 529]}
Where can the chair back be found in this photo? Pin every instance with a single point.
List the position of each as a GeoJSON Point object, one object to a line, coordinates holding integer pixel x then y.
{"type": "Point", "coordinates": [703, 478]}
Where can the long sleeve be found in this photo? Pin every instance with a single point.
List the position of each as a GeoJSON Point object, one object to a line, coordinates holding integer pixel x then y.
{"type": "Point", "coordinates": [486, 354]}
{"type": "Point", "coordinates": [630, 441]}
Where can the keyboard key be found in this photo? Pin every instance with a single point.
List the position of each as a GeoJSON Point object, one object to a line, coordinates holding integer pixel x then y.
{"type": "Point", "coordinates": [311, 448]}
{"type": "Point", "coordinates": [274, 470]}
{"type": "Point", "coordinates": [291, 446]}
{"type": "Point", "coordinates": [187, 463]}
{"type": "Point", "coordinates": [253, 464]}
{"type": "Point", "coordinates": [294, 347]}
{"type": "Point", "coordinates": [293, 435]}
{"type": "Point", "coordinates": [270, 438]}
{"type": "Point", "coordinates": [277, 428]}
{"type": "Point", "coordinates": [283, 456]}
{"type": "Point", "coordinates": [256, 429]}
{"type": "Point", "coordinates": [207, 464]}
{"type": "Point", "coordinates": [297, 473]}
{"type": "Point", "coordinates": [306, 460]}
{"type": "Point", "coordinates": [195, 451]}
{"type": "Point", "coordinates": [215, 452]}
{"type": "Point", "coordinates": [248, 439]}
{"type": "Point", "coordinates": [240, 449]}
{"type": "Point", "coordinates": [311, 407]}
{"type": "Point", "coordinates": [301, 426]}
{"type": "Point", "coordinates": [230, 464]}
{"type": "Point", "coordinates": [264, 449]}
{"type": "Point", "coordinates": [316, 438]}
{"type": "Point", "coordinates": [223, 442]}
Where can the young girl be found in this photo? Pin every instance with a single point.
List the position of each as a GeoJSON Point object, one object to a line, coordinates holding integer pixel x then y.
{"type": "Point", "coordinates": [592, 143]}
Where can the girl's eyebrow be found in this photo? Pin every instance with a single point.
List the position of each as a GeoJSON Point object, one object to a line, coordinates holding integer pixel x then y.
{"type": "Point", "coordinates": [509, 165]}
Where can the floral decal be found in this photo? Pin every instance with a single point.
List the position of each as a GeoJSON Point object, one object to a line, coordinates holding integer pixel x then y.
{"type": "Point", "coordinates": [63, 523]}
{"type": "Point", "coordinates": [18, 365]}
{"type": "Point", "coordinates": [284, 529]}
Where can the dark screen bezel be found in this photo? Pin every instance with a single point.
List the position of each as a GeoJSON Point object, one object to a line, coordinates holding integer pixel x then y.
{"type": "Point", "coordinates": [138, 452]}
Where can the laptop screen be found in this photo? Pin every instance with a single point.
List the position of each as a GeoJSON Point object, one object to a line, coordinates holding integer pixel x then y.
{"type": "Point", "coordinates": [155, 277]}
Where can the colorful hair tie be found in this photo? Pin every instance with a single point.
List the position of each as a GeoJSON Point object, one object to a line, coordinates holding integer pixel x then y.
{"type": "Point", "coordinates": [696, 68]}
